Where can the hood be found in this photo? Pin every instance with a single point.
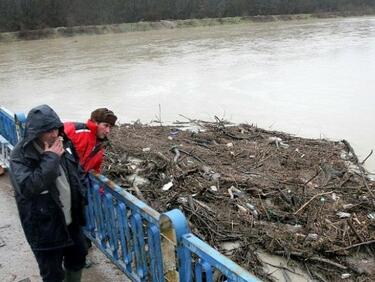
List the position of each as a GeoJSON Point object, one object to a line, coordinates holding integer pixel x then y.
{"type": "Point", "coordinates": [39, 120]}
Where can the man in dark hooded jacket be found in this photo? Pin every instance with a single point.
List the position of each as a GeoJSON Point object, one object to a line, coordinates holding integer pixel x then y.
{"type": "Point", "coordinates": [50, 196]}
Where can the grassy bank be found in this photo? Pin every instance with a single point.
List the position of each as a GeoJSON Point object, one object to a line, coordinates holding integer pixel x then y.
{"type": "Point", "coordinates": [163, 24]}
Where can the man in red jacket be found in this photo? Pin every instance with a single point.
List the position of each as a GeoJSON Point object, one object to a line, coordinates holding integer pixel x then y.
{"type": "Point", "coordinates": [88, 138]}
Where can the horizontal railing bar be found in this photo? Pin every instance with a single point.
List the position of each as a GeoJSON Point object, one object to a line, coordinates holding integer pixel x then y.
{"type": "Point", "coordinates": [134, 203]}
{"type": "Point", "coordinates": [8, 113]}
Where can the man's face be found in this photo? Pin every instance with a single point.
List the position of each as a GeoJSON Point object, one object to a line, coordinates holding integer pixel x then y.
{"type": "Point", "coordinates": [103, 130]}
{"type": "Point", "coordinates": [49, 137]}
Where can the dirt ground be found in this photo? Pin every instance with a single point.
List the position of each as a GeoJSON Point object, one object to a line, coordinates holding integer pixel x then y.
{"type": "Point", "coordinates": [17, 262]}
{"type": "Point", "coordinates": [308, 201]}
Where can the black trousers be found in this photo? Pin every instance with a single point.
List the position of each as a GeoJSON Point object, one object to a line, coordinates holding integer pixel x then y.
{"type": "Point", "coordinates": [50, 262]}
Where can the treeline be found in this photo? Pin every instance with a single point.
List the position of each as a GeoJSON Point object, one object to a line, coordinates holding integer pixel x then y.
{"type": "Point", "coordinates": [18, 15]}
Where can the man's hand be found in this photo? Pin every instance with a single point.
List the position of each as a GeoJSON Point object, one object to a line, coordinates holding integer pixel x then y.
{"type": "Point", "coordinates": [57, 147]}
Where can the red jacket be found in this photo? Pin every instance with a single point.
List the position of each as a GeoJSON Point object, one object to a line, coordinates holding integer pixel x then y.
{"type": "Point", "coordinates": [88, 147]}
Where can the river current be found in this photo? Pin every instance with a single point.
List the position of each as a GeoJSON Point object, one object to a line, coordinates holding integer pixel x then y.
{"type": "Point", "coordinates": [311, 78]}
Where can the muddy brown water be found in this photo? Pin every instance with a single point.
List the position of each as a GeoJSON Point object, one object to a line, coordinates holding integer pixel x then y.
{"type": "Point", "coordinates": [311, 78]}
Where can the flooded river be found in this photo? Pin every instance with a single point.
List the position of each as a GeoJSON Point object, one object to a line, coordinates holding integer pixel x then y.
{"type": "Point", "coordinates": [312, 78]}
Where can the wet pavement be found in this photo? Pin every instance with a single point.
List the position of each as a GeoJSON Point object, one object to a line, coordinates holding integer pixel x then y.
{"type": "Point", "coordinates": [17, 262]}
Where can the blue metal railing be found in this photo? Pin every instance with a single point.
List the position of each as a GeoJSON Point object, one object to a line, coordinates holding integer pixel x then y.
{"type": "Point", "coordinates": [9, 123]}
{"type": "Point", "coordinates": [145, 245]}
{"type": "Point", "coordinates": [197, 260]}
{"type": "Point", "coordinates": [125, 229]}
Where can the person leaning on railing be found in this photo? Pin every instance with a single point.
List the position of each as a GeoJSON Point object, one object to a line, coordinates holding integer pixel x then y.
{"type": "Point", "coordinates": [89, 138]}
{"type": "Point", "coordinates": [49, 189]}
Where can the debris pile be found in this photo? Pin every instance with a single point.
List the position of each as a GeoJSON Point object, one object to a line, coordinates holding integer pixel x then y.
{"type": "Point", "coordinates": [308, 200]}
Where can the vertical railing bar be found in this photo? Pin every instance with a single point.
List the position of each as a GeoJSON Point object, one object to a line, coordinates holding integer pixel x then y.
{"type": "Point", "coordinates": [90, 210]}
{"type": "Point", "coordinates": [124, 234]}
{"type": "Point", "coordinates": [106, 225]}
{"type": "Point", "coordinates": [111, 223]}
{"type": "Point", "coordinates": [138, 238]}
{"type": "Point", "coordinates": [198, 272]}
{"type": "Point", "coordinates": [155, 253]}
{"type": "Point", "coordinates": [99, 215]}
{"type": "Point", "coordinates": [207, 269]}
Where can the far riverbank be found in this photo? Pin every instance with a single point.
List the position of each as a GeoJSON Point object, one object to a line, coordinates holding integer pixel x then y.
{"type": "Point", "coordinates": [165, 24]}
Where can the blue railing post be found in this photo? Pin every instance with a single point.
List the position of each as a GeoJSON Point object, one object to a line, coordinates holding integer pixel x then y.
{"type": "Point", "coordinates": [125, 229]}
{"type": "Point", "coordinates": [20, 120]}
{"type": "Point", "coordinates": [193, 253]}
{"type": "Point", "coordinates": [11, 131]}
{"type": "Point", "coordinates": [173, 226]}
{"type": "Point", "coordinates": [155, 253]}
{"type": "Point", "coordinates": [125, 236]}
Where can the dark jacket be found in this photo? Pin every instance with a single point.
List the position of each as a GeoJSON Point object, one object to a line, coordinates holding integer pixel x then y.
{"type": "Point", "coordinates": [32, 173]}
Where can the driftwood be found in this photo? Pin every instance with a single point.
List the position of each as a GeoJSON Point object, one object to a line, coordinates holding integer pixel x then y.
{"type": "Point", "coordinates": [300, 200]}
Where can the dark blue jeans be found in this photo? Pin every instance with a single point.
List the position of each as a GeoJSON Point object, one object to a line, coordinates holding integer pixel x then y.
{"type": "Point", "coordinates": [51, 261]}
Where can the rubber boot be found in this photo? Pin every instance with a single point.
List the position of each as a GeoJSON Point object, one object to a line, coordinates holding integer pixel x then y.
{"type": "Point", "coordinates": [73, 276]}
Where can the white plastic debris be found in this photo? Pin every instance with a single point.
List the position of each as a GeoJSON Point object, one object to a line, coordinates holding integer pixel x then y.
{"type": "Point", "coordinates": [213, 188]}
{"type": "Point", "coordinates": [137, 180]}
{"type": "Point", "coordinates": [275, 139]}
{"type": "Point", "coordinates": [146, 149]}
{"type": "Point", "coordinates": [215, 176]}
{"type": "Point", "coordinates": [334, 196]}
{"type": "Point", "coordinates": [345, 275]}
{"type": "Point", "coordinates": [278, 142]}
{"type": "Point", "coordinates": [206, 169]}
{"type": "Point", "coordinates": [284, 145]}
{"type": "Point", "coordinates": [170, 138]}
{"type": "Point", "coordinates": [133, 167]}
{"type": "Point", "coordinates": [182, 200]}
{"type": "Point", "coordinates": [209, 174]}
{"type": "Point", "coordinates": [371, 176]}
{"type": "Point", "coordinates": [343, 214]}
{"type": "Point", "coordinates": [230, 193]}
{"type": "Point", "coordinates": [344, 155]}
{"type": "Point", "coordinates": [371, 216]}
{"type": "Point", "coordinates": [250, 206]}
{"type": "Point", "coordinates": [134, 161]}
{"type": "Point", "coordinates": [301, 154]}
{"type": "Point", "coordinates": [230, 144]}
{"type": "Point", "coordinates": [312, 237]}
{"type": "Point", "coordinates": [233, 191]}
{"type": "Point", "coordinates": [167, 186]}
{"type": "Point", "coordinates": [242, 209]}
{"type": "Point", "coordinates": [252, 209]}
{"type": "Point", "coordinates": [352, 167]}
